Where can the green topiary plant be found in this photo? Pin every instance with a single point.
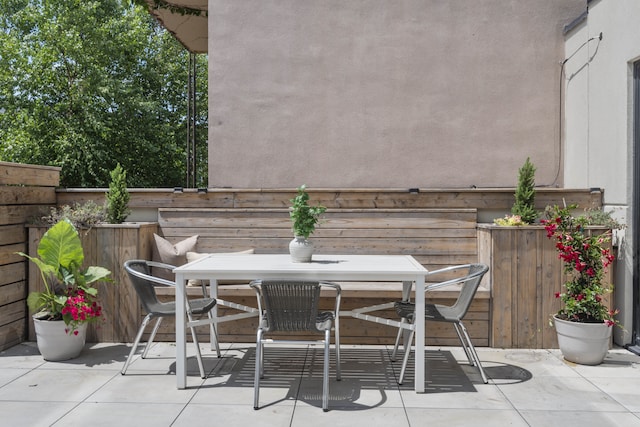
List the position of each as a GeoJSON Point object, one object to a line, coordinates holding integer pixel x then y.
{"type": "Point", "coordinates": [118, 197]}
{"type": "Point", "coordinates": [525, 194]}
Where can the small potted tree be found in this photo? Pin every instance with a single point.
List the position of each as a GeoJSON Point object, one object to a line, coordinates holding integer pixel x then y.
{"type": "Point", "coordinates": [118, 197]}
{"type": "Point", "coordinates": [523, 211]}
{"type": "Point", "coordinates": [68, 302]}
{"type": "Point", "coordinates": [305, 218]}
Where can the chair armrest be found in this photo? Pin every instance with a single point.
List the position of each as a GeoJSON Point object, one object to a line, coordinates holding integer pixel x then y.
{"type": "Point", "coordinates": [338, 290]}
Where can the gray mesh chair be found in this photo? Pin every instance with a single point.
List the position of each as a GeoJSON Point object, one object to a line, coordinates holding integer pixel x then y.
{"type": "Point", "coordinates": [292, 307]}
{"type": "Point", "coordinates": [469, 276]}
{"type": "Point", "coordinates": [144, 283]}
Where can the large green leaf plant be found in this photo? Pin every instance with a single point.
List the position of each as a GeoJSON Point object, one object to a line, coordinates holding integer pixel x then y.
{"type": "Point", "coordinates": [68, 294]}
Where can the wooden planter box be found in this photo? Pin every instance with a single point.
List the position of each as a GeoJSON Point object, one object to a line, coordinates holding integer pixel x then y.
{"type": "Point", "coordinates": [108, 246]}
{"type": "Point", "coordinates": [524, 275]}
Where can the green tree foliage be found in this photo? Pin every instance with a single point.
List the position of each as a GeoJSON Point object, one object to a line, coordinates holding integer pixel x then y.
{"type": "Point", "coordinates": [525, 193]}
{"type": "Point", "coordinates": [88, 84]}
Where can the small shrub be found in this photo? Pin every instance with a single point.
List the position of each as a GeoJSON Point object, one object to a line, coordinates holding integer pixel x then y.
{"type": "Point", "coordinates": [82, 215]}
{"type": "Point", "coordinates": [118, 197]}
{"type": "Point", "coordinates": [525, 194]}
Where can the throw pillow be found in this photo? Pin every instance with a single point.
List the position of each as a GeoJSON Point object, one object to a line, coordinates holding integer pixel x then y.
{"type": "Point", "coordinates": [168, 253]}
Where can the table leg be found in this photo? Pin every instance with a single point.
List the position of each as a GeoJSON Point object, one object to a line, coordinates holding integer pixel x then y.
{"type": "Point", "coordinates": [420, 332]}
{"type": "Point", "coordinates": [181, 341]}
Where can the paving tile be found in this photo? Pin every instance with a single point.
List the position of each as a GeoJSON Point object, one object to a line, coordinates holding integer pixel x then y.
{"type": "Point", "coordinates": [143, 388]}
{"type": "Point", "coordinates": [8, 375]}
{"type": "Point", "coordinates": [62, 385]}
{"type": "Point", "coordinates": [622, 390]}
{"type": "Point", "coordinates": [30, 414]}
{"type": "Point", "coordinates": [513, 364]}
{"type": "Point", "coordinates": [465, 417]}
{"type": "Point", "coordinates": [24, 355]}
{"type": "Point", "coordinates": [580, 418]}
{"type": "Point", "coordinates": [312, 416]}
{"type": "Point", "coordinates": [196, 415]}
{"type": "Point", "coordinates": [121, 414]}
{"type": "Point", "coordinates": [559, 393]}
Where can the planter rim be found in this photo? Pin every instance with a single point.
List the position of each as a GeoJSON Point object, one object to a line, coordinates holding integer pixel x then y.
{"type": "Point", "coordinates": [556, 318]}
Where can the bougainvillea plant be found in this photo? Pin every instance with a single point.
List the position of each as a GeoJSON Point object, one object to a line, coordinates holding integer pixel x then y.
{"type": "Point", "coordinates": [586, 257]}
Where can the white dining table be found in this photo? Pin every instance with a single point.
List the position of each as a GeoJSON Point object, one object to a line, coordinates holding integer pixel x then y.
{"type": "Point", "coordinates": [342, 268]}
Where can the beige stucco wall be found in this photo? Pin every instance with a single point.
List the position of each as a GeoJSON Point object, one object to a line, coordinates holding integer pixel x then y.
{"type": "Point", "coordinates": [598, 123]}
{"type": "Point", "coordinates": [371, 93]}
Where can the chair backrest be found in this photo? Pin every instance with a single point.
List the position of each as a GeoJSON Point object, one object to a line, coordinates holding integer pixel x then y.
{"type": "Point", "coordinates": [289, 306]}
{"type": "Point", "coordinates": [470, 283]}
{"type": "Point", "coordinates": [144, 283]}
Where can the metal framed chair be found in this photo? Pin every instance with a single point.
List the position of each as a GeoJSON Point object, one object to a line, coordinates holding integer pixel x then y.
{"type": "Point", "coordinates": [292, 306]}
{"type": "Point", "coordinates": [469, 277]}
{"type": "Point", "coordinates": [144, 283]}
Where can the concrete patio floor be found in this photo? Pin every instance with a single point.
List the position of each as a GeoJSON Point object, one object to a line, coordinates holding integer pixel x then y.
{"type": "Point", "coordinates": [526, 388]}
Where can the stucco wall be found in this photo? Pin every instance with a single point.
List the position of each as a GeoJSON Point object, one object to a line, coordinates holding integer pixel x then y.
{"type": "Point", "coordinates": [371, 93]}
{"type": "Point", "coordinates": [598, 130]}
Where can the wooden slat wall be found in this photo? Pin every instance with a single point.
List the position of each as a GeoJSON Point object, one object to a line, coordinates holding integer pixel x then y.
{"type": "Point", "coordinates": [25, 191]}
{"type": "Point", "coordinates": [490, 199]}
{"type": "Point", "coordinates": [435, 237]}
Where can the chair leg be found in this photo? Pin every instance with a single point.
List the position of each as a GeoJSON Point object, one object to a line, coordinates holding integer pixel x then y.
{"type": "Point", "coordinates": [465, 347]}
{"type": "Point", "coordinates": [474, 353]}
{"type": "Point", "coordinates": [151, 337]}
{"type": "Point", "coordinates": [214, 335]}
{"type": "Point", "coordinates": [405, 360]}
{"type": "Point", "coordinates": [397, 343]}
{"type": "Point", "coordinates": [337, 340]}
{"type": "Point", "coordinates": [136, 341]}
{"type": "Point", "coordinates": [325, 372]}
{"type": "Point", "coordinates": [258, 369]}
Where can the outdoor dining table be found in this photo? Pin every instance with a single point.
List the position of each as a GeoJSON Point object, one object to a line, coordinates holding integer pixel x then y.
{"type": "Point", "coordinates": [342, 268]}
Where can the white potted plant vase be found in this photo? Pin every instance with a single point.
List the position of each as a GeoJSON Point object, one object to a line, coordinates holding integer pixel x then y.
{"type": "Point", "coordinates": [54, 343]}
{"type": "Point", "coordinates": [305, 218]}
{"type": "Point", "coordinates": [583, 343]}
{"type": "Point", "coordinates": [301, 249]}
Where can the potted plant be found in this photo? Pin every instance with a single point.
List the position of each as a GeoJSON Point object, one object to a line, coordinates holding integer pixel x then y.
{"type": "Point", "coordinates": [305, 218]}
{"type": "Point", "coordinates": [68, 302]}
{"type": "Point", "coordinates": [118, 197]}
{"type": "Point", "coordinates": [584, 322]}
{"type": "Point", "coordinates": [523, 211]}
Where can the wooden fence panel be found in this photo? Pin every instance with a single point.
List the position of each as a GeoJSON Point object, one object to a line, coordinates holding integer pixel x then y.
{"type": "Point", "coordinates": [26, 191]}
{"type": "Point", "coordinates": [525, 273]}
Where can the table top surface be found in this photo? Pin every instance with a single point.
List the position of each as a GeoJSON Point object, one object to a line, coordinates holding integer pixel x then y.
{"type": "Point", "coordinates": [322, 267]}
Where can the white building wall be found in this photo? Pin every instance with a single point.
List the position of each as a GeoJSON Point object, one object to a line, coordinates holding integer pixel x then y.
{"type": "Point", "coordinates": [598, 121]}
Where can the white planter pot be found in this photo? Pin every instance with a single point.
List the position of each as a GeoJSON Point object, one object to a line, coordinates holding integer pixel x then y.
{"type": "Point", "coordinates": [54, 343]}
{"type": "Point", "coordinates": [301, 249]}
{"type": "Point", "coordinates": [583, 343]}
